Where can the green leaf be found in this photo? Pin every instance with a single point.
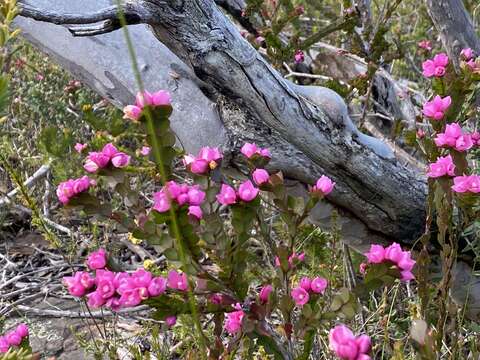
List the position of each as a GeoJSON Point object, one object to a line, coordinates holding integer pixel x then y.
{"type": "Point", "coordinates": [55, 142]}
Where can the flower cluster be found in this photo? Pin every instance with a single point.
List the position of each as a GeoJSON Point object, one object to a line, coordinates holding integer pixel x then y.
{"type": "Point", "coordinates": [436, 108]}
{"type": "Point", "coordinates": [466, 184]}
{"type": "Point", "coordinates": [233, 319]}
{"type": "Point", "coordinates": [444, 166]}
{"type": "Point", "coordinates": [182, 194]}
{"type": "Point", "coordinates": [471, 61]}
{"type": "Point", "coordinates": [436, 66]}
{"type": "Point", "coordinates": [109, 155]}
{"type": "Point", "coordinates": [13, 338]}
{"type": "Point", "coordinates": [117, 290]}
{"type": "Point", "coordinates": [207, 159]}
{"type": "Point", "coordinates": [394, 254]}
{"type": "Point", "coordinates": [250, 150]}
{"type": "Point", "coordinates": [425, 44]}
{"type": "Point", "coordinates": [323, 186]}
{"type": "Point", "coordinates": [159, 98]}
{"type": "Point", "coordinates": [72, 187]}
{"type": "Point", "coordinates": [301, 293]}
{"type": "Point", "coordinates": [347, 346]}
{"type": "Point", "coordinates": [246, 192]}
{"type": "Point", "coordinates": [454, 137]}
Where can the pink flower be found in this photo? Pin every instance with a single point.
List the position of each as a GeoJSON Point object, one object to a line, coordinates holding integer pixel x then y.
{"type": "Point", "coordinates": [80, 147]}
{"type": "Point", "coordinates": [464, 142]}
{"type": "Point", "coordinates": [376, 255]}
{"type": "Point", "coordinates": [132, 112]}
{"type": "Point", "coordinates": [300, 296]}
{"type": "Point", "coordinates": [85, 279]}
{"type": "Point", "coordinates": [449, 138]}
{"type": "Point", "coordinates": [120, 160]}
{"type": "Point", "coordinates": [259, 40]}
{"type": "Point", "coordinates": [436, 108]}
{"type": "Point", "coordinates": [319, 285]}
{"type": "Point", "coordinates": [109, 150]}
{"type": "Point", "coordinates": [13, 338]}
{"type": "Point", "coordinates": [141, 278]}
{"type": "Point", "coordinates": [294, 257]}
{"type": "Point", "coordinates": [466, 54]}
{"type": "Point", "coordinates": [363, 268]}
{"type": "Point", "coordinates": [394, 253]}
{"type": "Point", "coordinates": [113, 303]}
{"type": "Point", "coordinates": [195, 211]}
{"type": "Point", "coordinates": [249, 149]}
{"type": "Point", "coordinates": [68, 189]}
{"type": "Point", "coordinates": [130, 298]}
{"type": "Point", "coordinates": [299, 56]}
{"type": "Point", "coordinates": [247, 192]}
{"type": "Point", "coordinates": [157, 286]}
{"type": "Point", "coordinates": [199, 166]}
{"type": "Point", "coordinates": [425, 44]}
{"type": "Point", "coordinates": [177, 280]}
{"type": "Point", "coordinates": [265, 293]}
{"type": "Point", "coordinates": [210, 154]}
{"type": "Point", "coordinates": [95, 299]}
{"type": "Point", "coordinates": [160, 98]}
{"type": "Point", "coordinates": [260, 176]}
{"type": "Point", "coordinates": [161, 202]}
{"type": "Point", "coordinates": [344, 344]}
{"type": "Point", "coordinates": [216, 299]}
{"type": "Point", "coordinates": [233, 320]}
{"type": "Point", "coordinates": [442, 167]}
{"type": "Point", "coordinates": [227, 195]}
{"type": "Point", "coordinates": [171, 320]}
{"type": "Point", "coordinates": [97, 259]}
{"type": "Point", "coordinates": [265, 153]}
{"type": "Point", "coordinates": [145, 150]}
{"type": "Point", "coordinates": [466, 183]}
{"type": "Point", "coordinates": [74, 286]}
{"type": "Point", "coordinates": [324, 185]}
{"type": "Point", "coordinates": [22, 330]}
{"type": "Point", "coordinates": [105, 288]}
{"type": "Point", "coordinates": [95, 161]}
{"type": "Point", "coordinates": [195, 195]}
{"type": "Point", "coordinates": [476, 138]}
{"type": "Point", "coordinates": [305, 283]}
{"type": "Point", "coordinates": [436, 66]}
{"type": "Point", "coordinates": [4, 344]}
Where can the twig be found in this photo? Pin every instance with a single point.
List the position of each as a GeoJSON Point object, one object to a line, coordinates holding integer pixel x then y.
{"type": "Point", "coordinates": [40, 173]}
{"type": "Point", "coordinates": [77, 314]}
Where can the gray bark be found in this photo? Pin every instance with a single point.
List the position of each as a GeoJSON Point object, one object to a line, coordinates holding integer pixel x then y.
{"type": "Point", "coordinates": [455, 26]}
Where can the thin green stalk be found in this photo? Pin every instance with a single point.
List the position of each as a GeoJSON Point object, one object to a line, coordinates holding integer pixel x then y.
{"type": "Point", "coordinates": [159, 161]}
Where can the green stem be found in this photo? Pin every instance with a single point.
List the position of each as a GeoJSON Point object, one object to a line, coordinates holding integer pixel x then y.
{"type": "Point", "coordinates": [156, 146]}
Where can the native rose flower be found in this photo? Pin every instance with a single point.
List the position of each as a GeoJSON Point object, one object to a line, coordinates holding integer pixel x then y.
{"type": "Point", "coordinates": [251, 149]}
{"type": "Point", "coordinates": [394, 254]}
{"type": "Point", "coordinates": [207, 159]}
{"type": "Point", "coordinates": [323, 186]}
{"type": "Point", "coordinates": [466, 184]}
{"type": "Point", "coordinates": [466, 54]}
{"type": "Point", "coordinates": [109, 154]}
{"type": "Point", "coordinates": [171, 320]}
{"type": "Point", "coordinates": [318, 285]}
{"type": "Point", "coordinates": [299, 57]}
{"type": "Point", "coordinates": [300, 296]}
{"type": "Point", "coordinates": [233, 320]}
{"type": "Point", "coordinates": [182, 194]}
{"type": "Point", "coordinates": [436, 66]}
{"type": "Point", "coordinates": [247, 192]}
{"type": "Point", "coordinates": [436, 108]}
{"type": "Point", "coordinates": [13, 338]}
{"type": "Point", "coordinates": [159, 98]}
{"type": "Point", "coordinates": [260, 176]}
{"type": "Point", "coordinates": [80, 147]}
{"type": "Point", "coordinates": [227, 195]}
{"type": "Point", "coordinates": [177, 281]}
{"type": "Point", "coordinates": [444, 166]}
{"type": "Point", "coordinates": [145, 150]}
{"type": "Point", "coordinates": [425, 44]}
{"type": "Point", "coordinates": [69, 189]}
{"type": "Point", "coordinates": [265, 293]}
{"type": "Point", "coordinates": [454, 137]}
{"type": "Point", "coordinates": [195, 211]}
{"type": "Point", "coordinates": [97, 259]}
{"type": "Point", "coordinates": [347, 346]}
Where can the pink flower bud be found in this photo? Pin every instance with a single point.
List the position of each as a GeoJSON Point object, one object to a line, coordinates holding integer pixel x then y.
{"type": "Point", "coordinates": [466, 54]}
{"type": "Point", "coordinates": [299, 56]}
{"type": "Point", "coordinates": [80, 147]}
{"type": "Point", "coordinates": [324, 185]}
{"type": "Point", "coordinates": [97, 259]}
{"type": "Point", "coordinates": [171, 320]}
{"type": "Point", "coordinates": [249, 150]}
{"type": "Point", "coordinates": [160, 98]}
{"type": "Point", "coordinates": [22, 330]}
{"type": "Point", "coordinates": [13, 338]}
{"type": "Point", "coordinates": [195, 196]}
{"type": "Point", "coordinates": [145, 150]}
{"type": "Point", "coordinates": [247, 192]}
{"type": "Point", "coordinates": [161, 202]}
{"type": "Point", "coordinates": [177, 281]}
{"type": "Point", "coordinates": [199, 166]}
{"type": "Point", "coordinates": [305, 283]}
{"type": "Point", "coordinates": [376, 255]}
{"type": "Point", "coordinates": [265, 293]}
{"type": "Point", "coordinates": [131, 112]}
{"type": "Point", "coordinates": [260, 176]}
{"type": "Point", "coordinates": [227, 195]}
{"type": "Point", "coordinates": [195, 211]}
